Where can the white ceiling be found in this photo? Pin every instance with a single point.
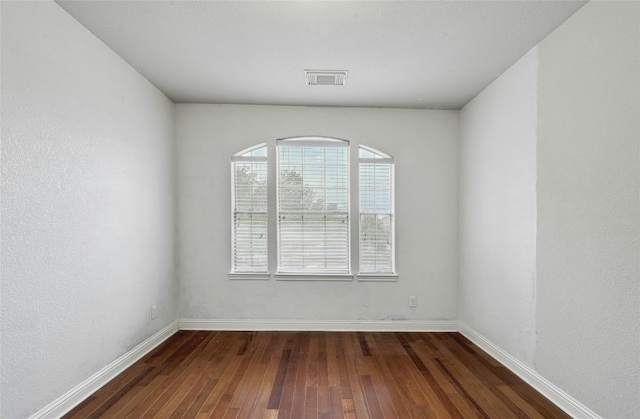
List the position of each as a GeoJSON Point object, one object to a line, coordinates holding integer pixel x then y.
{"type": "Point", "coordinates": [408, 54]}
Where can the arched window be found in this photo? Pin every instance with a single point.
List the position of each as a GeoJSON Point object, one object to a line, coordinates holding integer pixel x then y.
{"type": "Point", "coordinates": [249, 207]}
{"type": "Point", "coordinates": [377, 218]}
{"type": "Point", "coordinates": [314, 202]}
{"type": "Point", "coordinates": [313, 206]}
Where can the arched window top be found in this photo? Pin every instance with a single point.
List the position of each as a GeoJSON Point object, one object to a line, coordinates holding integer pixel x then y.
{"type": "Point", "coordinates": [313, 141]}
{"type": "Point", "coordinates": [365, 153]}
{"type": "Point", "coordinates": [256, 153]}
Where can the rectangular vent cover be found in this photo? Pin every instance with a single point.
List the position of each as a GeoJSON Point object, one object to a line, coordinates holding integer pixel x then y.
{"type": "Point", "coordinates": [325, 77]}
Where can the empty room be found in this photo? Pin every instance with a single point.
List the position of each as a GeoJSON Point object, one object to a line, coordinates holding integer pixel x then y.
{"type": "Point", "coordinates": [370, 209]}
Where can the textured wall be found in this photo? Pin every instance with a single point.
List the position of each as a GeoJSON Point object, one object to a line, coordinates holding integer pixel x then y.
{"type": "Point", "coordinates": [497, 190]}
{"type": "Point", "coordinates": [424, 144]}
{"type": "Point", "coordinates": [87, 206]}
{"type": "Point", "coordinates": [589, 209]}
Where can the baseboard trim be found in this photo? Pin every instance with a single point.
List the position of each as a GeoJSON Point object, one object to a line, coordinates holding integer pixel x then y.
{"type": "Point", "coordinates": [322, 325]}
{"type": "Point", "coordinates": [82, 391]}
{"type": "Point", "coordinates": [560, 398]}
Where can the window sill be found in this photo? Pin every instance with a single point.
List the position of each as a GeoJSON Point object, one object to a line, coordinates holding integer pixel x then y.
{"type": "Point", "coordinates": [377, 278]}
{"type": "Point", "coordinates": [313, 277]}
{"type": "Point", "coordinates": [249, 275]}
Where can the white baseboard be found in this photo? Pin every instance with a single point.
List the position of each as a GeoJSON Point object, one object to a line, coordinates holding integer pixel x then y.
{"type": "Point", "coordinates": [557, 396]}
{"type": "Point", "coordinates": [323, 325]}
{"type": "Point", "coordinates": [79, 393]}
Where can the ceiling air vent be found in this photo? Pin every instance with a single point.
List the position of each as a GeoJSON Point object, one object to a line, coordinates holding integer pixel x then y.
{"type": "Point", "coordinates": [325, 77]}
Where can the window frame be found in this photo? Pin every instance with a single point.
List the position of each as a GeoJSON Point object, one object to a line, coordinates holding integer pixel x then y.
{"type": "Point", "coordinates": [382, 159]}
{"type": "Point", "coordinates": [353, 214]}
{"type": "Point", "coordinates": [241, 156]}
{"type": "Point", "coordinates": [281, 271]}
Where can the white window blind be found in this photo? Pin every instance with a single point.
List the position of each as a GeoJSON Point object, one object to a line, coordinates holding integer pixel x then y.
{"type": "Point", "coordinates": [249, 202]}
{"type": "Point", "coordinates": [376, 212]}
{"type": "Point", "coordinates": [313, 206]}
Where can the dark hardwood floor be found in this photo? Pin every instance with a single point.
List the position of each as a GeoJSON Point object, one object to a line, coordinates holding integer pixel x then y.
{"type": "Point", "coordinates": [316, 375]}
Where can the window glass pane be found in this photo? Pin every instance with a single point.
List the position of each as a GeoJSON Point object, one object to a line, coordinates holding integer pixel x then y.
{"type": "Point", "coordinates": [249, 206]}
{"type": "Point", "coordinates": [250, 186]}
{"type": "Point", "coordinates": [313, 213]}
{"type": "Point", "coordinates": [376, 248]}
{"type": "Point", "coordinates": [250, 244]}
{"type": "Point", "coordinates": [256, 152]}
{"type": "Point", "coordinates": [376, 214]}
{"type": "Point", "coordinates": [262, 151]}
{"type": "Point", "coordinates": [366, 154]}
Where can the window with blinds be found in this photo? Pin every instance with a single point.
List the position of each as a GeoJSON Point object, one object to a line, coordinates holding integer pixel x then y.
{"type": "Point", "coordinates": [249, 210]}
{"type": "Point", "coordinates": [376, 242]}
{"type": "Point", "coordinates": [313, 206]}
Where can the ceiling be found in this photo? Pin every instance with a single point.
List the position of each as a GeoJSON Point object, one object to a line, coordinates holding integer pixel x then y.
{"type": "Point", "coordinates": [399, 54]}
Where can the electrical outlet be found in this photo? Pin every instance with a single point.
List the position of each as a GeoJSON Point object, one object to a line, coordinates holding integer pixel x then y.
{"type": "Point", "coordinates": [412, 301]}
{"type": "Point", "coordinates": [154, 311]}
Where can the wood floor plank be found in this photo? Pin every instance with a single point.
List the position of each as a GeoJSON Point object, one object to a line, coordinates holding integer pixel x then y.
{"type": "Point", "coordinates": [278, 384]}
{"type": "Point", "coordinates": [379, 384]}
{"type": "Point", "coordinates": [175, 369]}
{"type": "Point", "coordinates": [357, 392]}
{"type": "Point", "coordinates": [335, 398]}
{"type": "Point", "coordinates": [255, 378]}
{"type": "Point", "coordinates": [289, 388]}
{"type": "Point", "coordinates": [318, 375]}
{"type": "Point", "coordinates": [435, 393]}
{"type": "Point", "coordinates": [300, 386]}
{"type": "Point", "coordinates": [479, 396]}
{"type": "Point", "coordinates": [381, 357]}
{"type": "Point", "coordinates": [276, 346]}
{"type": "Point", "coordinates": [343, 373]}
{"type": "Point", "coordinates": [526, 407]}
{"type": "Point", "coordinates": [491, 377]}
{"type": "Point", "coordinates": [373, 404]}
{"type": "Point", "coordinates": [476, 396]}
{"type": "Point", "coordinates": [324, 404]}
{"type": "Point", "coordinates": [217, 363]}
{"type": "Point", "coordinates": [233, 363]}
{"type": "Point", "coordinates": [180, 390]}
{"type": "Point", "coordinates": [414, 401]}
{"type": "Point", "coordinates": [311, 403]}
{"type": "Point", "coordinates": [197, 365]}
{"type": "Point", "coordinates": [192, 393]}
{"type": "Point", "coordinates": [106, 394]}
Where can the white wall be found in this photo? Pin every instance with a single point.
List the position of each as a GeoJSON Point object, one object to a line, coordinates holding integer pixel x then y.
{"type": "Point", "coordinates": [88, 220]}
{"type": "Point", "coordinates": [497, 190]}
{"type": "Point", "coordinates": [550, 209]}
{"type": "Point", "coordinates": [588, 304]}
{"type": "Point", "coordinates": [424, 144]}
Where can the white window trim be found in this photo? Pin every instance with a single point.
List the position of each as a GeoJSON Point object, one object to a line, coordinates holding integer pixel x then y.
{"type": "Point", "coordinates": [388, 160]}
{"type": "Point", "coordinates": [238, 157]}
{"type": "Point", "coordinates": [313, 277]}
{"type": "Point", "coordinates": [377, 278]}
{"type": "Point", "coordinates": [251, 276]}
{"type": "Point", "coordinates": [354, 214]}
{"type": "Point", "coordinates": [315, 142]}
